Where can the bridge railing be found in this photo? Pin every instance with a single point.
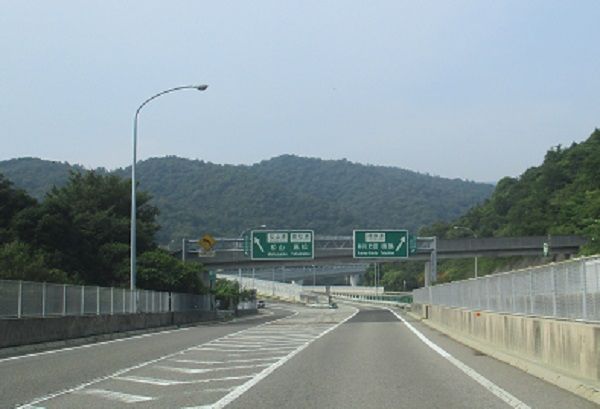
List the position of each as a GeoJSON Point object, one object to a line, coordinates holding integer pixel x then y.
{"type": "Point", "coordinates": [20, 299]}
{"type": "Point", "coordinates": [569, 289]}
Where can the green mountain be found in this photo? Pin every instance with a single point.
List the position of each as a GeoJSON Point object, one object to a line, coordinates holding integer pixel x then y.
{"type": "Point", "coordinates": [561, 196]}
{"type": "Point", "coordinates": [329, 196]}
{"type": "Point", "coordinates": [37, 176]}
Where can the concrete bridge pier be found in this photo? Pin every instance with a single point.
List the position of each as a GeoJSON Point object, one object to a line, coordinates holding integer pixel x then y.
{"type": "Point", "coordinates": [354, 279]}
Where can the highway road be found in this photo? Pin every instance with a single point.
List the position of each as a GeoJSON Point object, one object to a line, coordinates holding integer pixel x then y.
{"type": "Point", "coordinates": [288, 357]}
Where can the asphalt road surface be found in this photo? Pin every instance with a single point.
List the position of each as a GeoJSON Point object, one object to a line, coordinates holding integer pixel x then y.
{"type": "Point", "coordinates": [296, 357]}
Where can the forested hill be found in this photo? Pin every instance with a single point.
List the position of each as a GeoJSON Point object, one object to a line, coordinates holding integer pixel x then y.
{"type": "Point", "coordinates": [561, 196]}
{"type": "Point", "coordinates": [329, 196]}
{"type": "Point", "coordinates": [37, 176]}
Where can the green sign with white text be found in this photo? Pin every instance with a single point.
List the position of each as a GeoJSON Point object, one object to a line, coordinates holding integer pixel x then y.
{"type": "Point", "coordinates": [381, 243]}
{"type": "Point", "coordinates": [282, 245]}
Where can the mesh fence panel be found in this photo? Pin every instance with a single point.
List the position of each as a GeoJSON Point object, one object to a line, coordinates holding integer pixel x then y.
{"type": "Point", "coordinates": [569, 289]}
{"type": "Point", "coordinates": [54, 299]}
{"type": "Point", "coordinates": [9, 298]}
{"type": "Point", "coordinates": [119, 301]}
{"type": "Point", "coordinates": [74, 300]}
{"type": "Point", "coordinates": [31, 299]}
{"type": "Point", "coordinates": [592, 269]}
{"type": "Point", "coordinates": [90, 300]}
{"type": "Point", "coordinates": [106, 300]}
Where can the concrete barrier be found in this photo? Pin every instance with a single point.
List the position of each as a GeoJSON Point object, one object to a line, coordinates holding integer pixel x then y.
{"type": "Point", "coordinates": [26, 331]}
{"type": "Point", "coordinates": [564, 352]}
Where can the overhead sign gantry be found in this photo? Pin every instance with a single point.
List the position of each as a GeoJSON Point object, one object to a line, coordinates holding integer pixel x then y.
{"type": "Point", "coordinates": [282, 244]}
{"type": "Point", "coordinates": [381, 244]}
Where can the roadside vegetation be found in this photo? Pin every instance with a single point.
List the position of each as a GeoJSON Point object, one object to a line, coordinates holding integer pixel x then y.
{"type": "Point", "coordinates": [79, 233]}
{"type": "Point", "coordinates": [559, 197]}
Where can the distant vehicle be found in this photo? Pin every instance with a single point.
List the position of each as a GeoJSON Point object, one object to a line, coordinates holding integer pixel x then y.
{"type": "Point", "coordinates": [260, 304]}
{"type": "Point", "coordinates": [333, 305]}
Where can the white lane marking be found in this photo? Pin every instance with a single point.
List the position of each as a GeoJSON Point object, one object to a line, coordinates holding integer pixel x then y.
{"type": "Point", "coordinates": [131, 368]}
{"type": "Point", "coordinates": [244, 349]}
{"type": "Point", "coordinates": [265, 340]}
{"type": "Point", "coordinates": [118, 396]}
{"type": "Point", "coordinates": [213, 390]}
{"type": "Point", "coordinates": [240, 348]}
{"type": "Point", "coordinates": [483, 381]}
{"type": "Point", "coordinates": [240, 390]}
{"type": "Point", "coordinates": [113, 341]}
{"type": "Point", "coordinates": [170, 382]}
{"type": "Point", "coordinates": [193, 371]}
{"type": "Point", "coordinates": [193, 361]}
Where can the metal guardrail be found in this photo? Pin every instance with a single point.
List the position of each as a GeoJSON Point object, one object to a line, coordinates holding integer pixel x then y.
{"type": "Point", "coordinates": [20, 299]}
{"type": "Point", "coordinates": [570, 289]}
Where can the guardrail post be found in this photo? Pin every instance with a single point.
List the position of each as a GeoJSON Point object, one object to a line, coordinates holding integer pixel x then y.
{"type": "Point", "coordinates": [553, 284]}
{"type": "Point", "coordinates": [64, 302]}
{"type": "Point", "coordinates": [43, 299]}
{"type": "Point", "coordinates": [112, 300]}
{"type": "Point", "coordinates": [531, 292]}
{"type": "Point", "coordinates": [97, 300]}
{"type": "Point", "coordinates": [82, 300]}
{"type": "Point", "coordinates": [584, 290]}
{"type": "Point", "coordinates": [487, 293]}
{"type": "Point", "coordinates": [20, 300]}
{"type": "Point", "coordinates": [514, 297]}
{"type": "Point", "coordinates": [124, 292]}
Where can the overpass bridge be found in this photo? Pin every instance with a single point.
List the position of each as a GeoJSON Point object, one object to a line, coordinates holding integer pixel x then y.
{"type": "Point", "coordinates": [338, 250]}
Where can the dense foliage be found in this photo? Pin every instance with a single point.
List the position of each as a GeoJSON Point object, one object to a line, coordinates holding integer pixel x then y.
{"type": "Point", "coordinates": [562, 196]}
{"type": "Point", "coordinates": [329, 196]}
{"type": "Point", "coordinates": [79, 233]}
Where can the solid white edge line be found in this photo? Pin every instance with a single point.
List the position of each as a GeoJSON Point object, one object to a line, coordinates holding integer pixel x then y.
{"type": "Point", "coordinates": [240, 390]}
{"type": "Point", "coordinates": [470, 372]}
{"type": "Point", "coordinates": [131, 368]}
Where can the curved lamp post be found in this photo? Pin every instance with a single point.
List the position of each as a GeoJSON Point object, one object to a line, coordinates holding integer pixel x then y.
{"type": "Point", "coordinates": [133, 204]}
{"type": "Point", "coordinates": [474, 235]}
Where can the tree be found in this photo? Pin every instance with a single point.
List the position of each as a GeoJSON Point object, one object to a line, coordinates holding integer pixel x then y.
{"type": "Point", "coordinates": [83, 228]}
{"type": "Point", "coordinates": [18, 261]}
{"type": "Point", "coordinates": [12, 201]}
{"type": "Point", "coordinates": [158, 270]}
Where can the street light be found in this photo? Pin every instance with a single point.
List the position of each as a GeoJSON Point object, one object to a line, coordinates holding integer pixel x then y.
{"type": "Point", "coordinates": [474, 235]}
{"type": "Point", "coordinates": [133, 204]}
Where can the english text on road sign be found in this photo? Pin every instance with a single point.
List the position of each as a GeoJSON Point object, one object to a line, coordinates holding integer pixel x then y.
{"type": "Point", "coordinates": [381, 243]}
{"type": "Point", "coordinates": [281, 244]}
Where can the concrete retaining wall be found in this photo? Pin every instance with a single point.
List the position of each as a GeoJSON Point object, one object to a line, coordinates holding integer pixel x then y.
{"type": "Point", "coordinates": [567, 347]}
{"type": "Point", "coordinates": [16, 332]}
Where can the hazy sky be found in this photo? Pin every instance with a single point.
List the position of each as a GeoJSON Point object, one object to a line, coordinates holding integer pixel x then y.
{"type": "Point", "coordinates": [470, 89]}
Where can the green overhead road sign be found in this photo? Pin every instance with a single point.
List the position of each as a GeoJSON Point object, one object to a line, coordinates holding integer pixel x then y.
{"type": "Point", "coordinates": [381, 243]}
{"type": "Point", "coordinates": [282, 244]}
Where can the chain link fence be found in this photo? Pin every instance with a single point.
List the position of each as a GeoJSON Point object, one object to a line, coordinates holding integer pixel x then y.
{"type": "Point", "coordinates": [31, 299]}
{"type": "Point", "coordinates": [569, 289]}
